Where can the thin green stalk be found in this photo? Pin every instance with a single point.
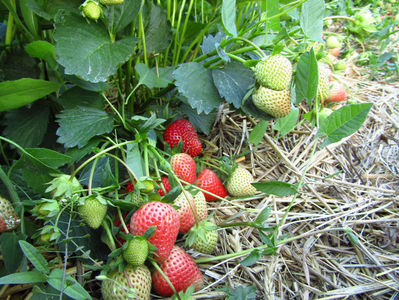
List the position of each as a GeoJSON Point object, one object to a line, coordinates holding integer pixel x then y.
{"type": "Point", "coordinates": [166, 163]}
{"type": "Point", "coordinates": [10, 27]}
{"type": "Point", "coordinates": [115, 110]}
{"type": "Point", "coordinates": [146, 163]}
{"type": "Point", "coordinates": [339, 17]}
{"type": "Point", "coordinates": [121, 218]}
{"type": "Point", "coordinates": [300, 2]}
{"type": "Point", "coordinates": [85, 163]}
{"type": "Point", "coordinates": [177, 32]}
{"type": "Point", "coordinates": [93, 167]}
{"type": "Point", "coordinates": [184, 30]}
{"type": "Point", "coordinates": [159, 175]}
{"type": "Point", "coordinates": [156, 266]}
{"type": "Point", "coordinates": [124, 164]}
{"type": "Point", "coordinates": [261, 247]}
{"type": "Point", "coordinates": [109, 235]}
{"type": "Point", "coordinates": [142, 35]}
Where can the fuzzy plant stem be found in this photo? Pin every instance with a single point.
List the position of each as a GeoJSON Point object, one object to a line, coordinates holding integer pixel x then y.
{"type": "Point", "coordinates": [167, 165]}
{"type": "Point", "coordinates": [103, 152]}
{"type": "Point", "coordinates": [109, 235]}
{"type": "Point", "coordinates": [158, 268]}
{"type": "Point", "coordinates": [10, 27]}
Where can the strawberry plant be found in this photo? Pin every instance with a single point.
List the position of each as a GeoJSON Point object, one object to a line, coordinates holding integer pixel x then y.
{"type": "Point", "coordinates": [110, 108]}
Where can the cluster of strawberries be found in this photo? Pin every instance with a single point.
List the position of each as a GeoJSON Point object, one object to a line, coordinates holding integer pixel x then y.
{"type": "Point", "coordinates": [186, 215]}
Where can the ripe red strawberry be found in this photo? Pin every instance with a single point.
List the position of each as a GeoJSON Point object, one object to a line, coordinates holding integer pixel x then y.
{"type": "Point", "coordinates": [210, 182]}
{"type": "Point", "coordinates": [165, 217]}
{"type": "Point", "coordinates": [182, 272]}
{"type": "Point", "coordinates": [186, 211]}
{"type": "Point", "coordinates": [201, 206]}
{"type": "Point", "coordinates": [239, 183]}
{"type": "Point", "coordinates": [119, 285]}
{"type": "Point", "coordinates": [166, 185]}
{"type": "Point", "coordinates": [130, 187]}
{"type": "Point", "coordinates": [337, 92]}
{"type": "Point", "coordinates": [8, 219]}
{"type": "Point", "coordinates": [183, 130]}
{"type": "Point", "coordinates": [183, 165]}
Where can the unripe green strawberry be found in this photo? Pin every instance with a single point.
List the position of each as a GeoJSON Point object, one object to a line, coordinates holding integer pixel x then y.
{"type": "Point", "coordinates": [111, 2]}
{"type": "Point", "coordinates": [119, 285]}
{"type": "Point", "coordinates": [136, 251]}
{"type": "Point", "coordinates": [137, 199]}
{"type": "Point", "coordinates": [239, 183]}
{"type": "Point", "coordinates": [275, 72]}
{"type": "Point", "coordinates": [91, 9]}
{"type": "Point", "coordinates": [201, 206]}
{"type": "Point", "coordinates": [324, 113]}
{"type": "Point", "coordinates": [206, 244]}
{"type": "Point", "coordinates": [8, 219]}
{"type": "Point", "coordinates": [340, 66]}
{"type": "Point", "coordinates": [92, 211]}
{"type": "Point", "coordinates": [323, 87]}
{"type": "Point", "coordinates": [275, 103]}
{"type": "Point", "coordinates": [332, 42]}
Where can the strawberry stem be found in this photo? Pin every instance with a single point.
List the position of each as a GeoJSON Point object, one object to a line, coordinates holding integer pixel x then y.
{"type": "Point", "coordinates": [121, 218]}
{"type": "Point", "coordinates": [167, 165]}
{"type": "Point", "coordinates": [158, 268]}
{"type": "Point", "coordinates": [109, 234]}
{"type": "Point", "coordinates": [159, 176]}
{"type": "Point", "coordinates": [98, 155]}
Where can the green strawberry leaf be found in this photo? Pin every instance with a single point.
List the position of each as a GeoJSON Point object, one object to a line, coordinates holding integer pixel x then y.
{"type": "Point", "coordinates": [43, 50]}
{"type": "Point", "coordinates": [92, 122]}
{"type": "Point", "coordinates": [202, 122]}
{"type": "Point", "coordinates": [158, 33]}
{"type": "Point", "coordinates": [31, 131]}
{"type": "Point", "coordinates": [229, 16]}
{"type": "Point", "coordinates": [311, 19]}
{"type": "Point", "coordinates": [306, 77]}
{"type": "Point", "coordinates": [277, 188]}
{"type": "Point", "coordinates": [288, 123]}
{"type": "Point", "coordinates": [195, 83]}
{"type": "Point", "coordinates": [240, 292]}
{"type": "Point", "coordinates": [86, 50]}
{"type": "Point", "coordinates": [272, 9]}
{"type": "Point", "coordinates": [35, 257]}
{"type": "Point", "coordinates": [117, 17]}
{"type": "Point", "coordinates": [23, 278]}
{"type": "Point", "coordinates": [258, 132]}
{"type": "Point", "coordinates": [68, 285]}
{"type": "Point", "coordinates": [36, 172]}
{"type": "Point", "coordinates": [233, 82]}
{"type": "Point", "coordinates": [76, 96]}
{"type": "Point", "coordinates": [264, 215]}
{"type": "Point", "coordinates": [135, 160]}
{"type": "Point", "coordinates": [252, 258]}
{"type": "Point", "coordinates": [343, 122]}
{"type": "Point", "coordinates": [17, 93]}
{"type": "Point", "coordinates": [155, 77]}
{"type": "Point", "coordinates": [12, 254]}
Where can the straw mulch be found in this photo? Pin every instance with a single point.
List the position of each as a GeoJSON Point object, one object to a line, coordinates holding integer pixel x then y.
{"type": "Point", "coordinates": [362, 194]}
